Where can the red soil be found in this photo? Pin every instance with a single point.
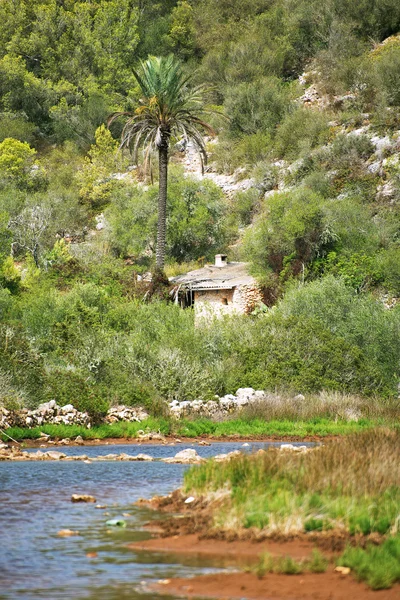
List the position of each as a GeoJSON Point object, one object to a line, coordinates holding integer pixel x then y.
{"type": "Point", "coordinates": [246, 586]}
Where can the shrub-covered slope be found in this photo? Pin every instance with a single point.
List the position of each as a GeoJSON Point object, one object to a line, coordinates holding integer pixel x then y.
{"type": "Point", "coordinates": [311, 92]}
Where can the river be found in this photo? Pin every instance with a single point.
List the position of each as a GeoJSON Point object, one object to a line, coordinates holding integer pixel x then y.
{"type": "Point", "coordinates": [35, 563]}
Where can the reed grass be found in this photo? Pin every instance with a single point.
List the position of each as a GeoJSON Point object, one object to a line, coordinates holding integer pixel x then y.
{"type": "Point", "coordinates": [351, 484]}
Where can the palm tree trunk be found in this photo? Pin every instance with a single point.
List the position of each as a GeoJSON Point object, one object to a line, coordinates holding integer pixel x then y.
{"type": "Point", "coordinates": [162, 203]}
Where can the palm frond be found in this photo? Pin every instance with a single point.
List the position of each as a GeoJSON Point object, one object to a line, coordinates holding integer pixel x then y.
{"type": "Point", "coordinates": [169, 106]}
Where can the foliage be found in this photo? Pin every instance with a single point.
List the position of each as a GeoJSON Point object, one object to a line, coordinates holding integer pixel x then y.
{"type": "Point", "coordinates": [16, 162]}
{"type": "Point", "coordinates": [288, 233]}
{"type": "Point", "coordinates": [378, 566]}
{"type": "Point", "coordinates": [301, 131]}
{"type": "Point", "coordinates": [169, 107]}
{"type": "Point", "coordinates": [189, 429]}
{"type": "Point", "coordinates": [289, 566]}
{"type": "Point", "coordinates": [280, 492]}
{"type": "Point", "coordinates": [257, 106]}
{"type": "Point", "coordinates": [95, 178]}
{"type": "Point", "coordinates": [319, 226]}
{"type": "Point", "coordinates": [195, 222]}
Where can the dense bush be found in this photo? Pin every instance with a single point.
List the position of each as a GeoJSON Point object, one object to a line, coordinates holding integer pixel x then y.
{"type": "Point", "coordinates": [195, 223]}
{"type": "Point", "coordinates": [329, 220]}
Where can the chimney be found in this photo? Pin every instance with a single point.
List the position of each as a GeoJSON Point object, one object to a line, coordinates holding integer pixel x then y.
{"type": "Point", "coordinates": [221, 260]}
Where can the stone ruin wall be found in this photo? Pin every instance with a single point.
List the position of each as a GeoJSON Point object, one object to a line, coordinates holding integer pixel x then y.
{"type": "Point", "coordinates": [242, 300]}
{"type": "Point", "coordinates": [247, 297]}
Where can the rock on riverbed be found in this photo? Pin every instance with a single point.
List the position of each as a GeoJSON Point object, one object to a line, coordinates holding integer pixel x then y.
{"type": "Point", "coordinates": [185, 457]}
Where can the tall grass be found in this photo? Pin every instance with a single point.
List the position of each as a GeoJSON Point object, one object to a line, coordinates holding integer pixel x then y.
{"type": "Point", "coordinates": [329, 405]}
{"type": "Point", "coordinates": [351, 484]}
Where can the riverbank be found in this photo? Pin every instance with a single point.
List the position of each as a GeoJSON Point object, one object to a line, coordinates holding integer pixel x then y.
{"type": "Point", "coordinates": [342, 498]}
{"type": "Point", "coordinates": [159, 429]}
{"type": "Point", "coordinates": [236, 586]}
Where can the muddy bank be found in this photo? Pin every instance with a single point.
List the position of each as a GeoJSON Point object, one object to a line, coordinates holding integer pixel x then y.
{"type": "Point", "coordinates": [188, 529]}
{"type": "Point", "coordinates": [239, 552]}
{"type": "Point", "coordinates": [239, 586]}
{"type": "Point", "coordinates": [173, 439]}
{"type": "Point", "coordinates": [194, 516]}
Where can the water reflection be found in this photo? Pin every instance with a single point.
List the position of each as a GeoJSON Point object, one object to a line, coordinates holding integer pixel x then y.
{"type": "Point", "coordinates": [35, 563]}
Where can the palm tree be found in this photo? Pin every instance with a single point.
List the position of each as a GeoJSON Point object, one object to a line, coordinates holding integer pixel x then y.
{"type": "Point", "coordinates": [169, 107]}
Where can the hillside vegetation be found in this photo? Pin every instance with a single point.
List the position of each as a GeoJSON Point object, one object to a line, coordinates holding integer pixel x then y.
{"type": "Point", "coordinates": [310, 94]}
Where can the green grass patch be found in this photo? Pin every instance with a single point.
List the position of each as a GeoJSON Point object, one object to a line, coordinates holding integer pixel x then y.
{"type": "Point", "coordinates": [259, 427]}
{"type": "Point", "coordinates": [202, 427]}
{"type": "Point", "coordinates": [378, 566]}
{"type": "Point", "coordinates": [290, 566]}
{"type": "Point", "coordinates": [101, 432]}
{"type": "Point", "coordinates": [350, 484]}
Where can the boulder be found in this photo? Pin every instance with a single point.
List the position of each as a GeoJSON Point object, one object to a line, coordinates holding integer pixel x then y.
{"type": "Point", "coordinates": [82, 498]}
{"type": "Point", "coordinates": [188, 456]}
{"type": "Point", "coordinates": [53, 455]}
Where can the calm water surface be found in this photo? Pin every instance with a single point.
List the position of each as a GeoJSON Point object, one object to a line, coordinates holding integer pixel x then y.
{"type": "Point", "coordinates": [35, 504]}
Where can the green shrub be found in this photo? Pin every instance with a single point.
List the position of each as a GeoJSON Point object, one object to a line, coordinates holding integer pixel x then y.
{"type": "Point", "coordinates": [195, 225]}
{"type": "Point", "coordinates": [288, 233]}
{"type": "Point", "coordinates": [378, 566]}
{"type": "Point", "coordinates": [313, 525]}
{"type": "Point", "coordinates": [23, 364]}
{"type": "Point", "coordinates": [299, 132]}
{"type": "Point", "coordinates": [69, 387]}
{"type": "Point", "coordinates": [257, 106]}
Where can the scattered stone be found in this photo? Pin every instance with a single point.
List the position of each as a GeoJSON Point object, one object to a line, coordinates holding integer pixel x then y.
{"type": "Point", "coordinates": [188, 456]}
{"type": "Point", "coordinates": [53, 455]}
{"type": "Point", "coordinates": [204, 443]}
{"type": "Point", "coordinates": [126, 413]}
{"type": "Point", "coordinates": [151, 436]}
{"type": "Point", "coordinates": [107, 457]}
{"type": "Point", "coordinates": [343, 570]}
{"type": "Point", "coordinates": [299, 398]}
{"type": "Point", "coordinates": [228, 456]}
{"type": "Point", "coordinates": [91, 555]}
{"type": "Point", "coordinates": [82, 498]}
{"type": "Point", "coordinates": [101, 506]}
{"type": "Point", "coordinates": [291, 448]}
{"type": "Point", "coordinates": [47, 413]}
{"type": "Point", "coordinates": [67, 533]}
{"type": "Point", "coordinates": [225, 406]}
{"type": "Point", "coordinates": [79, 440]}
{"type": "Point", "coordinates": [144, 457]}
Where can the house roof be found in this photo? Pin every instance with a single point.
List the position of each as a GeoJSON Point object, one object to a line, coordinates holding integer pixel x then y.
{"type": "Point", "coordinates": [210, 277]}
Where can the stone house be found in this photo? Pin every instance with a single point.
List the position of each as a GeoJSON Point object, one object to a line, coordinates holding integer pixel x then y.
{"type": "Point", "coordinates": [219, 289]}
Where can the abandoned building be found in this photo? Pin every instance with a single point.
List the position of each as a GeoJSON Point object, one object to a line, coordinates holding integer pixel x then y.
{"type": "Point", "coordinates": [219, 289]}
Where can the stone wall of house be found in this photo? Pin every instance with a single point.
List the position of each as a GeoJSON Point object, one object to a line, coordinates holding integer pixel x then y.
{"type": "Point", "coordinates": [247, 297]}
{"type": "Point", "coordinates": [216, 303]}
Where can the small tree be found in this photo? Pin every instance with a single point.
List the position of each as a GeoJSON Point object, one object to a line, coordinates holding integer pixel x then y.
{"type": "Point", "coordinates": [168, 107]}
